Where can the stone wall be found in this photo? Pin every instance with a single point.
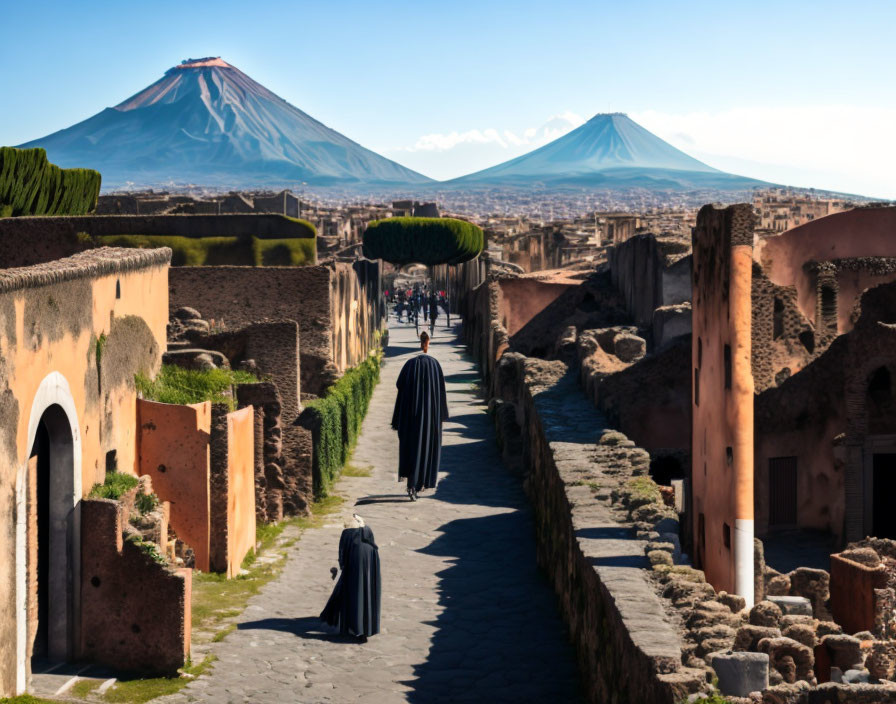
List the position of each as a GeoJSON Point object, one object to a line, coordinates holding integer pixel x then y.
{"type": "Point", "coordinates": [339, 309]}
{"type": "Point", "coordinates": [135, 612]}
{"type": "Point", "coordinates": [234, 297]}
{"type": "Point", "coordinates": [268, 461]}
{"type": "Point", "coordinates": [650, 274]}
{"type": "Point", "coordinates": [659, 419]}
{"type": "Point", "coordinates": [274, 347]}
{"type": "Point", "coordinates": [628, 648]}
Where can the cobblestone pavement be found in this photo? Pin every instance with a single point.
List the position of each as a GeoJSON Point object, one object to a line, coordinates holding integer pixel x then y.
{"type": "Point", "coordinates": [466, 614]}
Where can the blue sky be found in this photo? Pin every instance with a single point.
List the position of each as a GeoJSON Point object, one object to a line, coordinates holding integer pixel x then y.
{"type": "Point", "coordinates": [799, 92]}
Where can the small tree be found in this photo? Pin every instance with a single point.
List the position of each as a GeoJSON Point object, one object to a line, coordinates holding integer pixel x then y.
{"type": "Point", "coordinates": [428, 241]}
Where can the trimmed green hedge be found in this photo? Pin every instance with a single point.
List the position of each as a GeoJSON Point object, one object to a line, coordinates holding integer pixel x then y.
{"type": "Point", "coordinates": [338, 420]}
{"type": "Point", "coordinates": [428, 241]}
{"type": "Point", "coordinates": [31, 185]}
{"type": "Point", "coordinates": [216, 251]}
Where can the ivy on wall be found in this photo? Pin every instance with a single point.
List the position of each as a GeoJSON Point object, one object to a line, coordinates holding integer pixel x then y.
{"type": "Point", "coordinates": [336, 419]}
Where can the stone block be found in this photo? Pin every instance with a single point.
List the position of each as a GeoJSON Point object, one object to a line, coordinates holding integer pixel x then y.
{"type": "Point", "coordinates": [765, 613]}
{"type": "Point", "coordinates": [735, 602]}
{"type": "Point", "coordinates": [629, 348]}
{"type": "Point", "coordinates": [679, 486]}
{"type": "Point", "coordinates": [748, 636]}
{"type": "Point", "coordinates": [740, 673]}
{"type": "Point", "coordinates": [792, 605]}
{"type": "Point", "coordinates": [846, 651]}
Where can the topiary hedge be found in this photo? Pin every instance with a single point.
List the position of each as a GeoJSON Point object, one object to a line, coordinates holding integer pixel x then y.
{"type": "Point", "coordinates": [336, 418]}
{"type": "Point", "coordinates": [217, 251]}
{"type": "Point", "coordinates": [31, 185]}
{"type": "Point", "coordinates": [428, 241]}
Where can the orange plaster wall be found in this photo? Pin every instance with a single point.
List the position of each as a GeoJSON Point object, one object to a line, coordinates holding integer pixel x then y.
{"type": "Point", "coordinates": [522, 299]}
{"type": "Point", "coordinates": [174, 452]}
{"type": "Point", "coordinates": [30, 357]}
{"type": "Point", "coordinates": [863, 232]}
{"type": "Point", "coordinates": [241, 487]}
{"type": "Point", "coordinates": [54, 328]}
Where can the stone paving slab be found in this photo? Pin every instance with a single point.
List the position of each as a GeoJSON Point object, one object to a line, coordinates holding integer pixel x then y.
{"type": "Point", "coordinates": [466, 614]}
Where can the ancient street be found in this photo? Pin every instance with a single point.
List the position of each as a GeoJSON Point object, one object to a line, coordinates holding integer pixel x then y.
{"type": "Point", "coordinates": [466, 614]}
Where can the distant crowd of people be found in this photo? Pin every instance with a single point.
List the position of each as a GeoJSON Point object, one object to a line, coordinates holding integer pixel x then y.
{"type": "Point", "coordinates": [408, 304]}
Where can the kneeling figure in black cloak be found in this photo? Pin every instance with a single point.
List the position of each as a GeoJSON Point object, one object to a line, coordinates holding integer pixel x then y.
{"type": "Point", "coordinates": [354, 605]}
{"type": "Point", "coordinates": [420, 409]}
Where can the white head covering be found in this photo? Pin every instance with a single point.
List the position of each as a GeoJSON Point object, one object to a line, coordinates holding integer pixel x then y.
{"type": "Point", "coordinates": [354, 521]}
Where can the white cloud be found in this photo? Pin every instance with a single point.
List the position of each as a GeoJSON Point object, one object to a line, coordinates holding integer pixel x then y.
{"type": "Point", "coordinates": [844, 148]}
{"type": "Point", "coordinates": [556, 126]}
{"type": "Point", "coordinates": [445, 155]}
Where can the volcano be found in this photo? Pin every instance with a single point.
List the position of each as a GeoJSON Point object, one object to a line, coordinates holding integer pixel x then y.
{"type": "Point", "coordinates": [609, 151]}
{"type": "Point", "coordinates": [206, 122]}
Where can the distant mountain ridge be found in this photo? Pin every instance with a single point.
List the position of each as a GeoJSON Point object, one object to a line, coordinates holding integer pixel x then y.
{"type": "Point", "coordinates": [207, 122]}
{"type": "Point", "coordinates": [610, 150]}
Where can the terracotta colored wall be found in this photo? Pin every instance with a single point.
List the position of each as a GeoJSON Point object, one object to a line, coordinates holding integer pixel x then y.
{"type": "Point", "coordinates": [174, 452]}
{"type": "Point", "coordinates": [821, 501]}
{"type": "Point", "coordinates": [135, 612]}
{"type": "Point", "coordinates": [863, 232]}
{"type": "Point", "coordinates": [523, 299]}
{"type": "Point", "coordinates": [718, 413]}
{"type": "Point", "coordinates": [852, 593]}
{"type": "Point", "coordinates": [241, 488]}
{"type": "Point", "coordinates": [232, 527]}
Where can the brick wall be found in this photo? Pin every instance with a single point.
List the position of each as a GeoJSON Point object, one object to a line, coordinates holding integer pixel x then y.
{"type": "Point", "coordinates": [135, 613]}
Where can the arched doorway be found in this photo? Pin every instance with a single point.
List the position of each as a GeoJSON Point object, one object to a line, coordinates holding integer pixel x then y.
{"type": "Point", "coordinates": [48, 533]}
{"type": "Point", "coordinates": [50, 511]}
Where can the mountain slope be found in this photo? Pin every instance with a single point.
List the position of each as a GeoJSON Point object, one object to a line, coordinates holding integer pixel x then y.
{"type": "Point", "coordinates": [608, 150]}
{"type": "Point", "coordinates": [207, 122]}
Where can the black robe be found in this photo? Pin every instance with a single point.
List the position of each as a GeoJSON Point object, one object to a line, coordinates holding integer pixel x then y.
{"type": "Point", "coordinates": [354, 605]}
{"type": "Point", "coordinates": [420, 409]}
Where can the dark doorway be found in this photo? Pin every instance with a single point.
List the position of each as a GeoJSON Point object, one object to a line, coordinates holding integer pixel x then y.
{"type": "Point", "coordinates": [40, 454]}
{"type": "Point", "coordinates": [829, 308]}
{"type": "Point", "coordinates": [778, 319]}
{"type": "Point", "coordinates": [665, 468]}
{"type": "Point", "coordinates": [50, 558]}
{"type": "Point", "coordinates": [883, 490]}
{"type": "Point", "coordinates": [782, 504]}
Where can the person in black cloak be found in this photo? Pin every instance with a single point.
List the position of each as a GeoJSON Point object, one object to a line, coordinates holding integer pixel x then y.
{"type": "Point", "coordinates": [420, 409]}
{"type": "Point", "coordinates": [354, 605]}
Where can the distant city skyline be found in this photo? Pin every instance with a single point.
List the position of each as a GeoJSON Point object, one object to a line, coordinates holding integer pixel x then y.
{"type": "Point", "coordinates": [791, 93]}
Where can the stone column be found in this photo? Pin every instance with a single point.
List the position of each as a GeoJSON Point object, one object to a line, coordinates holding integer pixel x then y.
{"type": "Point", "coordinates": [741, 415]}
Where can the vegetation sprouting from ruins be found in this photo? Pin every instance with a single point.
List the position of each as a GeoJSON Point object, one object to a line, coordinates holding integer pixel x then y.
{"type": "Point", "coordinates": [31, 185]}
{"type": "Point", "coordinates": [338, 418]}
{"type": "Point", "coordinates": [427, 241]}
{"type": "Point", "coordinates": [175, 384]}
{"type": "Point", "coordinates": [217, 251]}
{"type": "Point", "coordinates": [115, 486]}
